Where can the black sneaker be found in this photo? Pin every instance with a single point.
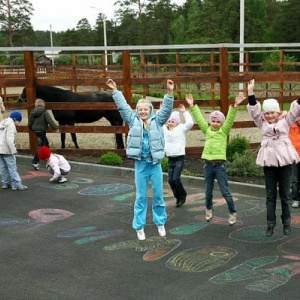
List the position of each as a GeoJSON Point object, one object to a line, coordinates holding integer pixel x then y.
{"type": "Point", "coordinates": [36, 166]}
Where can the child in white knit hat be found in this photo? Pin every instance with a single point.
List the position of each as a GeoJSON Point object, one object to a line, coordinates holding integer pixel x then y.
{"type": "Point", "coordinates": [276, 154]}
{"type": "Point", "coordinates": [175, 141]}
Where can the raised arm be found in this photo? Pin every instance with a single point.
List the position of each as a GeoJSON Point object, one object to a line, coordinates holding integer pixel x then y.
{"type": "Point", "coordinates": [251, 97]}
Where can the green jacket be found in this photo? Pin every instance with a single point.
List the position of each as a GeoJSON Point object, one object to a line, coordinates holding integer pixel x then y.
{"type": "Point", "coordinates": [215, 140]}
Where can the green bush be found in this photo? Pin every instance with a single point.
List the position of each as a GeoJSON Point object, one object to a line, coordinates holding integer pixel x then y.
{"type": "Point", "coordinates": [111, 158]}
{"type": "Point", "coordinates": [244, 165]}
{"type": "Point", "coordinates": [164, 164]}
{"type": "Point", "coordinates": [238, 144]}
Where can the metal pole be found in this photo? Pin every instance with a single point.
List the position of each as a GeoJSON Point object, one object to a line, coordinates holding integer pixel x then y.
{"type": "Point", "coordinates": [242, 27]}
{"type": "Point", "coordinates": [104, 36]}
{"type": "Point", "coordinates": [105, 42]}
{"type": "Point", "coordinates": [51, 42]}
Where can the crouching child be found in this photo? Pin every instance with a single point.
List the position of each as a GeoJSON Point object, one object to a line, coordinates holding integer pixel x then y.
{"type": "Point", "coordinates": [56, 164]}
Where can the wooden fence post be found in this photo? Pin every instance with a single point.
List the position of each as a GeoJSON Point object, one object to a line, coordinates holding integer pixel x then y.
{"type": "Point", "coordinates": [30, 93]}
{"type": "Point", "coordinates": [224, 81]}
{"type": "Point", "coordinates": [127, 88]}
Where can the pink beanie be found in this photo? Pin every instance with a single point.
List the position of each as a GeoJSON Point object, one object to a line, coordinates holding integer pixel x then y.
{"type": "Point", "coordinates": [217, 116]}
{"type": "Point", "coordinates": [175, 117]}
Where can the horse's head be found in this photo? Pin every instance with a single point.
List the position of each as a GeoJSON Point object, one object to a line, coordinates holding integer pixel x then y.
{"type": "Point", "coordinates": [23, 97]}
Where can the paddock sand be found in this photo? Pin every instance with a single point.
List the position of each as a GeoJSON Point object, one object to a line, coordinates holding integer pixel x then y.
{"type": "Point", "coordinates": [195, 138]}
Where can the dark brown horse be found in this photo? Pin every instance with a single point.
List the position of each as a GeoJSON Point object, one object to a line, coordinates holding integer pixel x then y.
{"type": "Point", "coordinates": [70, 117]}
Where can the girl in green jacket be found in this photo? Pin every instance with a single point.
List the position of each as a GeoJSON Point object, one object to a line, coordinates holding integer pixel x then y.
{"type": "Point", "coordinates": [214, 153]}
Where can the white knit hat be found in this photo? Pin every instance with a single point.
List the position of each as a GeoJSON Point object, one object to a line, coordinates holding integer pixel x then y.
{"type": "Point", "coordinates": [175, 116]}
{"type": "Point", "coordinates": [217, 116]}
{"type": "Point", "coordinates": [270, 105]}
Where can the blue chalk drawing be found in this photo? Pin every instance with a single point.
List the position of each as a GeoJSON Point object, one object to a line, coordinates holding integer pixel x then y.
{"type": "Point", "coordinates": [106, 189]}
{"type": "Point", "coordinates": [76, 232]}
{"type": "Point", "coordinates": [12, 221]}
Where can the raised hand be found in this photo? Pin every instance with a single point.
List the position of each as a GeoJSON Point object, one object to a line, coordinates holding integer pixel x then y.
{"type": "Point", "coordinates": [240, 98]}
{"type": "Point", "coordinates": [170, 85]}
{"type": "Point", "coordinates": [190, 100]}
{"type": "Point", "coordinates": [251, 85]}
{"type": "Point", "coordinates": [111, 84]}
{"type": "Point", "coordinates": [181, 108]}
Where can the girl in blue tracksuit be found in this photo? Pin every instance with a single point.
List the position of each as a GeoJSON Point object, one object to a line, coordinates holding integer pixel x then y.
{"type": "Point", "coordinates": [145, 144]}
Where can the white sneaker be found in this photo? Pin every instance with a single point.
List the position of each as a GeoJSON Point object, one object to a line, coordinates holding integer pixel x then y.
{"type": "Point", "coordinates": [20, 187]}
{"type": "Point", "coordinates": [232, 219]}
{"type": "Point", "coordinates": [62, 180]}
{"type": "Point", "coordinates": [141, 234]}
{"type": "Point", "coordinates": [295, 204]}
{"type": "Point", "coordinates": [161, 230]}
{"type": "Point", "coordinates": [208, 215]}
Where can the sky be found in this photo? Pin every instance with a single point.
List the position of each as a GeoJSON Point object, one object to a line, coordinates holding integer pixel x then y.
{"type": "Point", "coordinates": [60, 15]}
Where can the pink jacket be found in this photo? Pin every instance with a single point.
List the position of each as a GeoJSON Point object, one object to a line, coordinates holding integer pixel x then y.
{"type": "Point", "coordinates": [276, 148]}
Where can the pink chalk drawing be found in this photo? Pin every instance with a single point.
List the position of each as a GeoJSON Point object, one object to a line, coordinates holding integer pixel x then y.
{"type": "Point", "coordinates": [40, 217]}
{"type": "Point", "coordinates": [291, 248]}
{"type": "Point", "coordinates": [34, 174]}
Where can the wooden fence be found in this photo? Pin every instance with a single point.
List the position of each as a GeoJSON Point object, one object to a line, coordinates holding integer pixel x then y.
{"type": "Point", "coordinates": [216, 75]}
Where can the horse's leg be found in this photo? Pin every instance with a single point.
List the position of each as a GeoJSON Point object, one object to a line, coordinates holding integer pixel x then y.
{"type": "Point", "coordinates": [119, 141]}
{"type": "Point", "coordinates": [63, 140]}
{"type": "Point", "coordinates": [74, 139]}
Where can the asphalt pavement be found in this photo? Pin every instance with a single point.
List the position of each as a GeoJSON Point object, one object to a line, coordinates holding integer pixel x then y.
{"type": "Point", "coordinates": [75, 241]}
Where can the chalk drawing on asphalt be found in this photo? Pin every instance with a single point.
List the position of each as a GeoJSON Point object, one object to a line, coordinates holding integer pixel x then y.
{"type": "Point", "coordinates": [12, 221]}
{"type": "Point", "coordinates": [123, 197]}
{"type": "Point", "coordinates": [257, 206]}
{"type": "Point", "coordinates": [256, 234]}
{"type": "Point", "coordinates": [34, 174]}
{"type": "Point", "coordinates": [188, 228]}
{"type": "Point", "coordinates": [216, 202]}
{"type": "Point", "coordinates": [112, 209]}
{"type": "Point", "coordinates": [40, 217]}
{"type": "Point", "coordinates": [58, 186]}
{"type": "Point", "coordinates": [295, 221]}
{"type": "Point", "coordinates": [201, 259]}
{"type": "Point", "coordinates": [155, 247]}
{"type": "Point", "coordinates": [81, 180]}
{"type": "Point", "coordinates": [106, 189]}
{"type": "Point", "coordinates": [291, 248]}
{"type": "Point", "coordinates": [266, 279]}
{"type": "Point", "coordinates": [88, 234]}
{"type": "Point", "coordinates": [217, 220]}
{"type": "Point", "coordinates": [190, 199]}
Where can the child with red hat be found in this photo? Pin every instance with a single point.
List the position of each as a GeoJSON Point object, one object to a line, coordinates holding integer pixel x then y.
{"type": "Point", "coordinates": [56, 164]}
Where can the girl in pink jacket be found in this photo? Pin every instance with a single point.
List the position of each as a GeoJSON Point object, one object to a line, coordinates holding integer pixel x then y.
{"type": "Point", "coordinates": [276, 154]}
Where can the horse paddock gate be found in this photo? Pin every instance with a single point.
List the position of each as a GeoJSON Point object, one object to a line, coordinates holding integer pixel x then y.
{"type": "Point", "coordinates": [213, 73]}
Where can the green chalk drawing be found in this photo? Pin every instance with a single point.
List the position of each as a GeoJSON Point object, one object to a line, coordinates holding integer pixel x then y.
{"type": "Point", "coordinates": [123, 197]}
{"type": "Point", "coordinates": [256, 234]}
{"type": "Point", "coordinates": [247, 270]}
{"type": "Point", "coordinates": [189, 228]}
